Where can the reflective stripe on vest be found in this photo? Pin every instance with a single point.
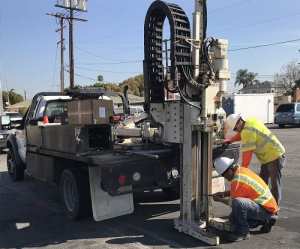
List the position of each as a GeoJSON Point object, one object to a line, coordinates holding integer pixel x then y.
{"type": "Point", "coordinates": [264, 194]}
{"type": "Point", "coordinates": [267, 139]}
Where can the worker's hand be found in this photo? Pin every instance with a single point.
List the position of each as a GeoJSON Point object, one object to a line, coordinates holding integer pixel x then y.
{"type": "Point", "coordinates": [227, 141]}
{"type": "Point", "coordinates": [218, 196]}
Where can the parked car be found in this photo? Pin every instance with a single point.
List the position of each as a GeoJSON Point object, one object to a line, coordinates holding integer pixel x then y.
{"type": "Point", "coordinates": [288, 114]}
{"type": "Point", "coordinates": [4, 131]}
{"type": "Point", "coordinates": [15, 118]}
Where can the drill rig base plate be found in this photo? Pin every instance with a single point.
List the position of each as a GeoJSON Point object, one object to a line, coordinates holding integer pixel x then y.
{"type": "Point", "coordinates": [221, 224]}
{"type": "Point", "coordinates": [196, 231]}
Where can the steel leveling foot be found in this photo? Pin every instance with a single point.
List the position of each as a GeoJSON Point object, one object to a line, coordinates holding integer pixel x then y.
{"type": "Point", "coordinates": [197, 231]}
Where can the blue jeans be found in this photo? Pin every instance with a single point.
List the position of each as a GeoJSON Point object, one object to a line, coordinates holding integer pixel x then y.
{"type": "Point", "coordinates": [272, 171]}
{"type": "Point", "coordinates": [247, 214]}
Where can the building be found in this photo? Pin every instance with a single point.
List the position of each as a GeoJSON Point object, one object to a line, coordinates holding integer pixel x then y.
{"type": "Point", "coordinates": [264, 87]}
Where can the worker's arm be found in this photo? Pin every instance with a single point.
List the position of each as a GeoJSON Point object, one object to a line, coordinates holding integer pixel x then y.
{"type": "Point", "coordinates": [233, 139]}
{"type": "Point", "coordinates": [246, 158]}
{"type": "Point", "coordinates": [222, 197]}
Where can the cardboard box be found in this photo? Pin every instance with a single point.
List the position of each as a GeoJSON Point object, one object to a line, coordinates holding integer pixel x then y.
{"type": "Point", "coordinates": [90, 111]}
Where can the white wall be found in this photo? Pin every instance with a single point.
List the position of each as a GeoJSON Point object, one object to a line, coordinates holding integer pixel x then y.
{"type": "Point", "coordinates": [260, 106]}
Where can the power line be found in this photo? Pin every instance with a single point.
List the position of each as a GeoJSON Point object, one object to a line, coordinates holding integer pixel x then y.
{"type": "Point", "coordinates": [235, 3]}
{"type": "Point", "coordinates": [92, 54]}
{"type": "Point", "coordinates": [266, 21]}
{"type": "Point", "coordinates": [264, 45]}
{"type": "Point", "coordinates": [105, 71]}
{"type": "Point", "coordinates": [81, 76]}
{"type": "Point", "coordinates": [55, 66]}
{"type": "Point", "coordinates": [112, 63]}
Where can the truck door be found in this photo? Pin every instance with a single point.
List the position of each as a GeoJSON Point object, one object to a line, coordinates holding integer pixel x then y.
{"type": "Point", "coordinates": [33, 131]}
{"type": "Point", "coordinates": [35, 162]}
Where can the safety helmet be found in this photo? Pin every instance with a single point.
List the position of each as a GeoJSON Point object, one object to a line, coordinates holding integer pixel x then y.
{"type": "Point", "coordinates": [222, 164]}
{"type": "Point", "coordinates": [232, 120]}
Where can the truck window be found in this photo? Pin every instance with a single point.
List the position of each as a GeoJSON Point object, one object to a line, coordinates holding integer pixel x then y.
{"type": "Point", "coordinates": [56, 111]}
{"type": "Point", "coordinates": [39, 111]}
{"type": "Point", "coordinates": [286, 108]}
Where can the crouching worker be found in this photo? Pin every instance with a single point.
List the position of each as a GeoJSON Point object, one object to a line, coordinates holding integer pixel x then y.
{"type": "Point", "coordinates": [252, 201]}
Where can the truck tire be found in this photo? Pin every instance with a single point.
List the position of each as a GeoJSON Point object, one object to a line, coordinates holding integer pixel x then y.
{"type": "Point", "coordinates": [15, 170]}
{"type": "Point", "coordinates": [281, 126]}
{"type": "Point", "coordinates": [75, 193]}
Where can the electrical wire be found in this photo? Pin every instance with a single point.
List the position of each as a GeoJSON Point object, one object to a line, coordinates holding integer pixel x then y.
{"type": "Point", "coordinates": [55, 67]}
{"type": "Point", "coordinates": [81, 76]}
{"type": "Point", "coordinates": [262, 22]}
{"type": "Point", "coordinates": [238, 2]}
{"type": "Point", "coordinates": [113, 63]}
{"type": "Point", "coordinates": [101, 70]}
{"type": "Point", "coordinates": [265, 45]}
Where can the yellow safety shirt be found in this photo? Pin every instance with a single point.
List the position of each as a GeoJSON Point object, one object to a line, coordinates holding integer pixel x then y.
{"type": "Point", "coordinates": [256, 137]}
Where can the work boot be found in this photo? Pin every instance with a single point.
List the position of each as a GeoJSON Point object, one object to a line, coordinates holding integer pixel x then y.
{"type": "Point", "coordinates": [235, 237]}
{"type": "Point", "coordinates": [267, 227]}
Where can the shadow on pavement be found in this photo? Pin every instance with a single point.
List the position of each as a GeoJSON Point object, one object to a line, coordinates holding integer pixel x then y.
{"type": "Point", "coordinates": [31, 216]}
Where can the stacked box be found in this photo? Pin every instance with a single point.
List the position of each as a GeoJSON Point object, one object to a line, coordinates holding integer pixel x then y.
{"type": "Point", "coordinates": [90, 111]}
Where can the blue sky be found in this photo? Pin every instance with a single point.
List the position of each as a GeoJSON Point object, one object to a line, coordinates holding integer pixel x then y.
{"type": "Point", "coordinates": [114, 33]}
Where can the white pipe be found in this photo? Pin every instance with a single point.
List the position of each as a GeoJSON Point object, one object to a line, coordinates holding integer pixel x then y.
{"type": "Point", "coordinates": [197, 35]}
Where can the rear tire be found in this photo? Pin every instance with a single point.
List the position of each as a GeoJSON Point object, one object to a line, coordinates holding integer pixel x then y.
{"type": "Point", "coordinates": [75, 193]}
{"type": "Point", "coordinates": [15, 170]}
{"type": "Point", "coordinates": [281, 126]}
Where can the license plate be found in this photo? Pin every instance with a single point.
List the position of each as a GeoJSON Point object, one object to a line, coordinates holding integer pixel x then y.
{"type": "Point", "coordinates": [1, 136]}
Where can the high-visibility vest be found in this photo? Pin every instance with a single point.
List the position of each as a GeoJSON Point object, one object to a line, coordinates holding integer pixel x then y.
{"type": "Point", "coordinates": [247, 184]}
{"type": "Point", "coordinates": [256, 137]}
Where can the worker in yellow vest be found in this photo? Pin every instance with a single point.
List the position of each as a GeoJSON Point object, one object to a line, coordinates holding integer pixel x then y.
{"type": "Point", "coordinates": [256, 138]}
{"type": "Point", "coordinates": [252, 201]}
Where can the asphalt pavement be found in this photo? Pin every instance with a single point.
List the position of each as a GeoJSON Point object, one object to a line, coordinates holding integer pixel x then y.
{"type": "Point", "coordinates": [31, 216]}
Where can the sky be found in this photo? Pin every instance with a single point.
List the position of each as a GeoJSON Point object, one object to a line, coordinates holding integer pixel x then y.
{"type": "Point", "coordinates": [29, 56]}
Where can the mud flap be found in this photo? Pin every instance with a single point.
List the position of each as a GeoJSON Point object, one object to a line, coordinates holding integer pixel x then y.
{"type": "Point", "coordinates": [105, 206]}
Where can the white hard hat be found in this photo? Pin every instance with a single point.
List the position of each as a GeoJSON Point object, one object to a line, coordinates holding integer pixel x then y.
{"type": "Point", "coordinates": [222, 164]}
{"type": "Point", "coordinates": [232, 119]}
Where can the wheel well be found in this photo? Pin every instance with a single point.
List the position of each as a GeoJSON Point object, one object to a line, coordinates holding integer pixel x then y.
{"type": "Point", "coordinates": [62, 164]}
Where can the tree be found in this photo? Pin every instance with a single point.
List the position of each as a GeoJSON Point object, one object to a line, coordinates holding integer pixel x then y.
{"type": "Point", "coordinates": [289, 77]}
{"type": "Point", "coordinates": [11, 97]}
{"type": "Point", "coordinates": [135, 85]}
{"type": "Point", "coordinates": [245, 78]}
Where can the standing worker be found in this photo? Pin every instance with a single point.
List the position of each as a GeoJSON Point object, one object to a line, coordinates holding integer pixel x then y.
{"type": "Point", "coordinates": [252, 201]}
{"type": "Point", "coordinates": [256, 138]}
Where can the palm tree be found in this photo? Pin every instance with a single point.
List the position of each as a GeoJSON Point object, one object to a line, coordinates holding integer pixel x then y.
{"type": "Point", "coordinates": [245, 78]}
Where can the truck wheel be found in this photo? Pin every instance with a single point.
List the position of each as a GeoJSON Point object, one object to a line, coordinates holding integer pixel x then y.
{"type": "Point", "coordinates": [281, 126]}
{"type": "Point", "coordinates": [15, 170]}
{"type": "Point", "coordinates": [75, 193]}
{"type": "Point", "coordinates": [172, 193]}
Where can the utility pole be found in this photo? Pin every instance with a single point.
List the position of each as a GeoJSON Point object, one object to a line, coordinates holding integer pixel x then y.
{"type": "Point", "coordinates": [62, 49]}
{"type": "Point", "coordinates": [1, 100]}
{"type": "Point", "coordinates": [61, 18]}
{"type": "Point", "coordinates": [71, 49]}
{"type": "Point", "coordinates": [71, 5]}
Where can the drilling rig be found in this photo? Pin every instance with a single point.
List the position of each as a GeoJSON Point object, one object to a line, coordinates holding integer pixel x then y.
{"type": "Point", "coordinates": [197, 74]}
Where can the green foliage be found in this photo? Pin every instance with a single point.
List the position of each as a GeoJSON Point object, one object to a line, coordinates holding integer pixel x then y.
{"type": "Point", "coordinates": [245, 78]}
{"type": "Point", "coordinates": [11, 97]}
{"type": "Point", "coordinates": [135, 85]}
